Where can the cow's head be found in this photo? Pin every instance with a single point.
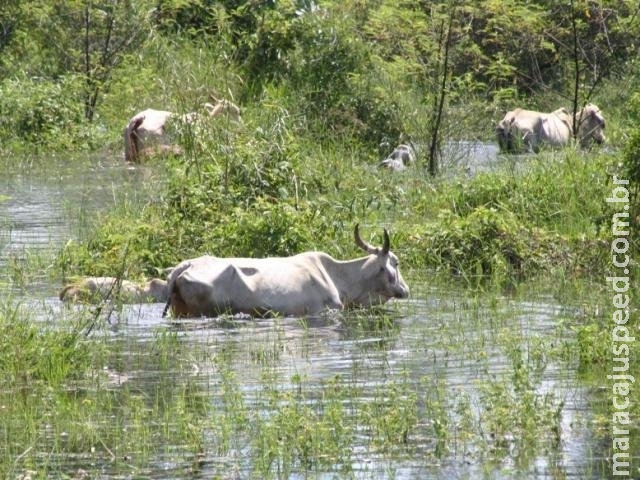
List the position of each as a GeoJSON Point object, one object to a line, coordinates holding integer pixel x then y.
{"type": "Point", "coordinates": [381, 271]}
{"type": "Point", "coordinates": [222, 106]}
{"type": "Point", "coordinates": [591, 125]}
{"type": "Point", "coordinates": [156, 289]}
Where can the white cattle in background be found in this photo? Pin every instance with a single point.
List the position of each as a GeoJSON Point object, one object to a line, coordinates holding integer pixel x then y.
{"type": "Point", "coordinates": [526, 130]}
{"type": "Point", "coordinates": [147, 132]}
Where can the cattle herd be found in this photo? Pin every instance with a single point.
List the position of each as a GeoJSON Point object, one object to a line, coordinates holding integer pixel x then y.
{"type": "Point", "coordinates": [305, 284]}
{"type": "Point", "coordinates": [525, 131]}
{"type": "Point", "coordinates": [311, 282]}
{"type": "Point", "coordinates": [520, 131]}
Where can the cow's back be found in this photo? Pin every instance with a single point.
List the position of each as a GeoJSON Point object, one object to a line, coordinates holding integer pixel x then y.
{"type": "Point", "coordinates": [555, 128]}
{"type": "Point", "coordinates": [154, 122]}
{"type": "Point", "coordinates": [294, 285]}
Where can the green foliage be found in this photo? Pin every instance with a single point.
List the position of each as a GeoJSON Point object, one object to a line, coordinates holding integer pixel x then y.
{"type": "Point", "coordinates": [485, 243]}
{"type": "Point", "coordinates": [631, 156]}
{"type": "Point", "coordinates": [120, 246]}
{"type": "Point", "coordinates": [561, 205]}
{"type": "Point", "coordinates": [78, 38]}
{"type": "Point", "coordinates": [514, 412]}
{"type": "Point", "coordinates": [22, 343]}
{"type": "Point", "coordinates": [510, 38]}
{"type": "Point", "coordinates": [44, 114]}
{"type": "Point", "coordinates": [592, 346]}
{"type": "Point", "coordinates": [61, 393]}
{"type": "Point", "coordinates": [298, 436]}
{"type": "Point", "coordinates": [486, 191]}
{"type": "Point", "coordinates": [249, 199]}
{"type": "Point", "coordinates": [391, 415]}
{"type": "Point", "coordinates": [358, 70]}
{"type": "Point", "coordinates": [264, 197]}
{"type": "Point", "coordinates": [516, 225]}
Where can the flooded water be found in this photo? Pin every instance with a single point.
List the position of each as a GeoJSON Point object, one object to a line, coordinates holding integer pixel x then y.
{"type": "Point", "coordinates": [225, 390]}
{"type": "Point", "coordinates": [440, 353]}
{"type": "Point", "coordinates": [48, 202]}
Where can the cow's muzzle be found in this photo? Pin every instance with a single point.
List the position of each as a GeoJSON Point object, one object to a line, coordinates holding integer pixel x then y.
{"type": "Point", "coordinates": [402, 292]}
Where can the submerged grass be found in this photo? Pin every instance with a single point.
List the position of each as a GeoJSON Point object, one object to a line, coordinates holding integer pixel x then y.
{"type": "Point", "coordinates": [68, 406]}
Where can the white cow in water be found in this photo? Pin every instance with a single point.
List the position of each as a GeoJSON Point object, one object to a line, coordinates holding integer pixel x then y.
{"type": "Point", "coordinates": [304, 284]}
{"type": "Point", "coordinates": [97, 289]}
{"type": "Point", "coordinates": [146, 133]}
{"type": "Point", "coordinates": [527, 130]}
{"type": "Point", "coordinates": [401, 157]}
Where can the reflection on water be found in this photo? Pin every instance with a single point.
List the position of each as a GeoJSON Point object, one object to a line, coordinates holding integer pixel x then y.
{"type": "Point", "coordinates": [439, 342]}
{"type": "Point", "coordinates": [469, 157]}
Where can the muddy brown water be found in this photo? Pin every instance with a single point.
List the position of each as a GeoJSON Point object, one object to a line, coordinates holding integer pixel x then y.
{"type": "Point", "coordinates": [439, 334]}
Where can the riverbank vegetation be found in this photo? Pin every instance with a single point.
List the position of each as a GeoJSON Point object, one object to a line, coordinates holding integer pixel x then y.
{"type": "Point", "coordinates": [327, 90]}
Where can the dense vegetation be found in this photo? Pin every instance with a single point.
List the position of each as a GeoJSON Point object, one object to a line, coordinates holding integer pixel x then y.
{"type": "Point", "coordinates": [326, 90]}
{"type": "Point", "coordinates": [72, 72]}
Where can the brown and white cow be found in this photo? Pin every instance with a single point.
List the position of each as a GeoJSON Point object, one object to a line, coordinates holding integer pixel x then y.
{"type": "Point", "coordinates": [147, 131]}
{"type": "Point", "coordinates": [304, 284]}
{"type": "Point", "coordinates": [526, 130]}
{"type": "Point", "coordinates": [97, 289]}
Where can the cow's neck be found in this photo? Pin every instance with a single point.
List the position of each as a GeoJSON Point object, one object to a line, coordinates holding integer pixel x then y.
{"type": "Point", "coordinates": [347, 276]}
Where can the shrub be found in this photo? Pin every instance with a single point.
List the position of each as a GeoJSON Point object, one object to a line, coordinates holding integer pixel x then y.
{"type": "Point", "coordinates": [489, 242]}
{"type": "Point", "coordinates": [44, 114]}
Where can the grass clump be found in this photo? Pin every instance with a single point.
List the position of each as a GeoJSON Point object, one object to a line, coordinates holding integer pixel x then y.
{"type": "Point", "coordinates": [487, 243]}
{"type": "Point", "coordinates": [515, 412]}
{"type": "Point", "coordinates": [68, 399]}
{"type": "Point", "coordinates": [34, 354]}
{"type": "Point", "coordinates": [301, 437]}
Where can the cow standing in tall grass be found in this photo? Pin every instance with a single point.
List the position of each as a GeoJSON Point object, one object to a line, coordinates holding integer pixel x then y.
{"type": "Point", "coordinates": [526, 130]}
{"type": "Point", "coordinates": [147, 132]}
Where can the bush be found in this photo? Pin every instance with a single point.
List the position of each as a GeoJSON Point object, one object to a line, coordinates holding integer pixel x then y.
{"type": "Point", "coordinates": [44, 114]}
{"type": "Point", "coordinates": [631, 158]}
{"type": "Point", "coordinates": [486, 242]}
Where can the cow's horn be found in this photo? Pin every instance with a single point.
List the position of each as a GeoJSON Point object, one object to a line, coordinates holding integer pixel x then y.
{"type": "Point", "coordinates": [387, 243]}
{"type": "Point", "coordinates": [362, 244]}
